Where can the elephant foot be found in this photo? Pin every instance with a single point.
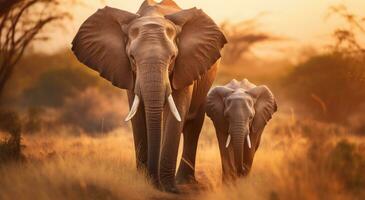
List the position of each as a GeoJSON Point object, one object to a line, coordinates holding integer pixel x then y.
{"type": "Point", "coordinates": [190, 185]}
{"type": "Point", "coordinates": [154, 182]}
{"type": "Point", "coordinates": [170, 189]}
{"type": "Point", "coordinates": [189, 180]}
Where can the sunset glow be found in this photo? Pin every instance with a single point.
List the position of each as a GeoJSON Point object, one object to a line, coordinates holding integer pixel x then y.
{"type": "Point", "coordinates": [249, 99]}
{"type": "Point", "coordinates": [303, 21]}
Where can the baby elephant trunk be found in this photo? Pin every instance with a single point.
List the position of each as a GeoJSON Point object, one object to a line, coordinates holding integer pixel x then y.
{"type": "Point", "coordinates": [239, 133]}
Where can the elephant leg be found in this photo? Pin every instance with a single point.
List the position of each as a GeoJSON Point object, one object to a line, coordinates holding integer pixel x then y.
{"type": "Point", "coordinates": [139, 135]}
{"type": "Point", "coordinates": [228, 168]}
{"type": "Point", "coordinates": [171, 139]}
{"type": "Point", "coordinates": [191, 132]}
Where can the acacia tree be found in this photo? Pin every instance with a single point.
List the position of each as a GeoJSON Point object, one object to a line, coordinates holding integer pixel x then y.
{"type": "Point", "coordinates": [242, 37]}
{"type": "Point", "coordinates": [347, 37]}
{"type": "Point", "coordinates": [21, 22]}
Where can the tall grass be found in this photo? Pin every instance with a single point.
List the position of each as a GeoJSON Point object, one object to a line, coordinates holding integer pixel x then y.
{"type": "Point", "coordinates": [296, 160]}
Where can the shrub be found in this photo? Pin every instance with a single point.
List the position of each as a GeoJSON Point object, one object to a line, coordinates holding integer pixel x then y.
{"type": "Point", "coordinates": [329, 87]}
{"type": "Point", "coordinates": [54, 86]}
{"type": "Point", "coordinates": [92, 111]}
{"type": "Point", "coordinates": [10, 148]}
{"type": "Point", "coordinates": [33, 122]}
{"type": "Point", "coordinates": [348, 164]}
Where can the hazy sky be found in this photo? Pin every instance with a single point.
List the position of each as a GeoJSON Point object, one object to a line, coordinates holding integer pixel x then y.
{"type": "Point", "coordinates": [302, 21]}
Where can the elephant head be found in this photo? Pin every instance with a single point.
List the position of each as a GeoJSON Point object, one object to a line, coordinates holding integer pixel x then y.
{"type": "Point", "coordinates": [160, 49]}
{"type": "Point", "coordinates": [150, 51]}
{"type": "Point", "coordinates": [240, 109]}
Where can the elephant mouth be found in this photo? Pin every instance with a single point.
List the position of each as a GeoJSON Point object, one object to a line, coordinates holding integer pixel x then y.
{"type": "Point", "coordinates": [228, 141]}
{"type": "Point", "coordinates": [136, 103]}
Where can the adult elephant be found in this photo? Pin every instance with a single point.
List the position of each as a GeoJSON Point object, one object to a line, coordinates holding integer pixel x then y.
{"type": "Point", "coordinates": [240, 111]}
{"type": "Point", "coordinates": [165, 57]}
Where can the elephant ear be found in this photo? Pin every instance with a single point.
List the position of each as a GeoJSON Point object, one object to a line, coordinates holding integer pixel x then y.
{"type": "Point", "coordinates": [265, 107]}
{"type": "Point", "coordinates": [200, 42]}
{"type": "Point", "coordinates": [100, 44]}
{"type": "Point", "coordinates": [215, 105]}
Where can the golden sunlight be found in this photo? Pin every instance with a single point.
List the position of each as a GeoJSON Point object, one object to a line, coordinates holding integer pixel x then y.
{"type": "Point", "coordinates": [250, 99]}
{"type": "Point", "coordinates": [303, 21]}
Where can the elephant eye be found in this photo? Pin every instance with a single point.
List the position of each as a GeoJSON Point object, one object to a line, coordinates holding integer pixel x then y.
{"type": "Point", "coordinates": [170, 32]}
{"type": "Point", "coordinates": [132, 59]}
{"type": "Point", "coordinates": [173, 57]}
{"type": "Point", "coordinates": [134, 32]}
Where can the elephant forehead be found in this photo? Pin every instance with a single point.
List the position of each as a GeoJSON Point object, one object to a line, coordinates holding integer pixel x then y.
{"type": "Point", "coordinates": [151, 22]}
{"type": "Point", "coordinates": [241, 96]}
{"type": "Point", "coordinates": [241, 92]}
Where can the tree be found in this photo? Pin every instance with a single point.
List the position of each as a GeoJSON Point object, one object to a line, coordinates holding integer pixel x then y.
{"type": "Point", "coordinates": [6, 5]}
{"type": "Point", "coordinates": [21, 22]}
{"type": "Point", "coordinates": [242, 37]}
{"type": "Point", "coordinates": [346, 37]}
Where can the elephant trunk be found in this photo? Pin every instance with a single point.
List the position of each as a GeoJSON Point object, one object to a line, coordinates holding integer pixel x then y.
{"type": "Point", "coordinates": [238, 133]}
{"type": "Point", "coordinates": [153, 89]}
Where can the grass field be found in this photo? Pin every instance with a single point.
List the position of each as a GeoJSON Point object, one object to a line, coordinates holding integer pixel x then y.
{"type": "Point", "coordinates": [296, 160]}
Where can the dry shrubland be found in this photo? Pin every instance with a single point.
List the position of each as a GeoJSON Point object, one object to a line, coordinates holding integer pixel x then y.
{"type": "Point", "coordinates": [296, 160]}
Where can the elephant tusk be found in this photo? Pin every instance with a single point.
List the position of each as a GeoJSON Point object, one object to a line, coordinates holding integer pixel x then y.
{"type": "Point", "coordinates": [248, 141]}
{"type": "Point", "coordinates": [173, 108]}
{"type": "Point", "coordinates": [228, 140]}
{"type": "Point", "coordinates": [134, 108]}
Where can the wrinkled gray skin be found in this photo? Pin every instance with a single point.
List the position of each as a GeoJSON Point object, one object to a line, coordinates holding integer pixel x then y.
{"type": "Point", "coordinates": [239, 109]}
{"type": "Point", "coordinates": [160, 51]}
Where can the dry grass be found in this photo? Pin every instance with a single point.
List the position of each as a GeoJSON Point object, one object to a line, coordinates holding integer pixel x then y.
{"type": "Point", "coordinates": [84, 167]}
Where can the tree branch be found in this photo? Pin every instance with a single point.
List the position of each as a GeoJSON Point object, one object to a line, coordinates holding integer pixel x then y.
{"type": "Point", "coordinates": [20, 23]}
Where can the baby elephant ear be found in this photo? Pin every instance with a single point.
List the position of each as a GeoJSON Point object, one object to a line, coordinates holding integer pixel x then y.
{"type": "Point", "coordinates": [265, 107]}
{"type": "Point", "coordinates": [101, 45]}
{"type": "Point", "coordinates": [200, 42]}
{"type": "Point", "coordinates": [215, 105]}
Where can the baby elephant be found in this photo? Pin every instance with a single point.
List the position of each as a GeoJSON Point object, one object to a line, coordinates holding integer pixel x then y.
{"type": "Point", "coordinates": [240, 112]}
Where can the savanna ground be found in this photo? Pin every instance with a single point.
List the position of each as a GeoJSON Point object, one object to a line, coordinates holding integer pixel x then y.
{"type": "Point", "coordinates": [296, 160]}
{"type": "Point", "coordinates": [62, 134]}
